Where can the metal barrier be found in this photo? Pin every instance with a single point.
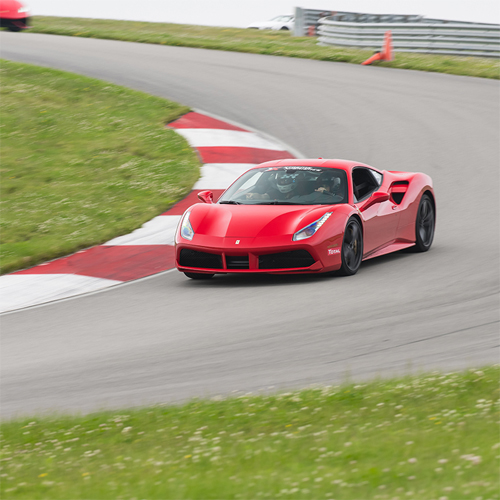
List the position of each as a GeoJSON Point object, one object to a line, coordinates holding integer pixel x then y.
{"type": "Point", "coordinates": [450, 38]}
{"type": "Point", "coordinates": [410, 33]}
{"type": "Point", "coordinates": [307, 20]}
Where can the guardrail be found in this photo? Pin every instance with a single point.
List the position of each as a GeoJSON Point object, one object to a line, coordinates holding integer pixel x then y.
{"type": "Point", "coordinates": [445, 38]}
{"type": "Point", "coordinates": [307, 20]}
{"type": "Point", "coordinates": [410, 33]}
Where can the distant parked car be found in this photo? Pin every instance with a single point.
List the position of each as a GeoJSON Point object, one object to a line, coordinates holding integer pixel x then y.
{"type": "Point", "coordinates": [276, 23]}
{"type": "Point", "coordinates": [13, 15]}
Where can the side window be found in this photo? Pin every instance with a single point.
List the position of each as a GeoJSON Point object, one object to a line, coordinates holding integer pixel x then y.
{"type": "Point", "coordinates": [364, 182]}
{"type": "Point", "coordinates": [378, 177]}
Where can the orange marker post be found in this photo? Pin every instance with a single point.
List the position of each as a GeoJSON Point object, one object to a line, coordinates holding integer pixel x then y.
{"type": "Point", "coordinates": [386, 54]}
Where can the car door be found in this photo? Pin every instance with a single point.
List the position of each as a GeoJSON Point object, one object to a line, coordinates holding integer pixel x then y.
{"type": "Point", "coordinates": [380, 217]}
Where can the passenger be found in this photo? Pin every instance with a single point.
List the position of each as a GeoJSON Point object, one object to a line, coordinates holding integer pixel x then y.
{"type": "Point", "coordinates": [324, 183]}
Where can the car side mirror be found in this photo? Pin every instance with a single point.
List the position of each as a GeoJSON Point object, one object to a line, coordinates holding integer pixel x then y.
{"type": "Point", "coordinates": [376, 197]}
{"type": "Point", "coordinates": [206, 196]}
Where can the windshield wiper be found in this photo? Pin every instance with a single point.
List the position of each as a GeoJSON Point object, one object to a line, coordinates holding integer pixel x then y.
{"type": "Point", "coordinates": [230, 202]}
{"type": "Point", "coordinates": [277, 202]}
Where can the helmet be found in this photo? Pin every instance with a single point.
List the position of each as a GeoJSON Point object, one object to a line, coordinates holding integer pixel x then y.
{"type": "Point", "coordinates": [285, 181]}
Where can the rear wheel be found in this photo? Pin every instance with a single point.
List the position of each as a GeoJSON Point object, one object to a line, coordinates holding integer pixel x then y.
{"type": "Point", "coordinates": [352, 248]}
{"type": "Point", "coordinates": [199, 276]}
{"type": "Point", "coordinates": [424, 225]}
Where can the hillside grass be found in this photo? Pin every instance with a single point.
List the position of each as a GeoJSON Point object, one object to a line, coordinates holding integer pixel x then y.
{"type": "Point", "coordinates": [82, 161]}
{"type": "Point", "coordinates": [433, 436]}
{"type": "Point", "coordinates": [276, 43]}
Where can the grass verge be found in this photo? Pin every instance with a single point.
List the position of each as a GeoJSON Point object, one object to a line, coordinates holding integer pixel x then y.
{"type": "Point", "coordinates": [82, 161]}
{"type": "Point", "coordinates": [427, 437]}
{"type": "Point", "coordinates": [276, 43]}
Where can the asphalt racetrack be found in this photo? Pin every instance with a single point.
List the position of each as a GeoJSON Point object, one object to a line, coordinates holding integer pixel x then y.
{"type": "Point", "coordinates": [167, 338]}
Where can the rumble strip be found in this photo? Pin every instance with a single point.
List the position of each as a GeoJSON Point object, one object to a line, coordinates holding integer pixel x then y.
{"type": "Point", "coordinates": [226, 151]}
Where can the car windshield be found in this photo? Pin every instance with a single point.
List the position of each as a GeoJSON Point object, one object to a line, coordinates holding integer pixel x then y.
{"type": "Point", "coordinates": [291, 185]}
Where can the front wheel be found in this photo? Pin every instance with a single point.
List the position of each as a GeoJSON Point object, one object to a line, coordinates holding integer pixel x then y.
{"type": "Point", "coordinates": [424, 225]}
{"type": "Point", "coordinates": [199, 276]}
{"type": "Point", "coordinates": [352, 248]}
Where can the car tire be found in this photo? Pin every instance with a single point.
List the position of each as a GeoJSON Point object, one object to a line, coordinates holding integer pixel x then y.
{"type": "Point", "coordinates": [199, 276]}
{"type": "Point", "coordinates": [424, 224]}
{"type": "Point", "coordinates": [352, 248]}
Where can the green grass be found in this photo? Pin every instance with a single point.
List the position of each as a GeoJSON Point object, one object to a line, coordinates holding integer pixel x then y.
{"type": "Point", "coordinates": [433, 436]}
{"type": "Point", "coordinates": [82, 161]}
{"type": "Point", "coordinates": [275, 43]}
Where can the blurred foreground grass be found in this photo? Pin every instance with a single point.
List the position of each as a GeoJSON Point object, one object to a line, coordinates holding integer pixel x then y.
{"type": "Point", "coordinates": [276, 43]}
{"type": "Point", "coordinates": [431, 437]}
{"type": "Point", "coordinates": [82, 161]}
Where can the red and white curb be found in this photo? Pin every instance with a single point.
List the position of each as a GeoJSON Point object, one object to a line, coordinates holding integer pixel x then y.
{"type": "Point", "coordinates": [226, 151]}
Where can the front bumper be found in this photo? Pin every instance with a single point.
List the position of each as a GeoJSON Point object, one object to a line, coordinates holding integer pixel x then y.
{"type": "Point", "coordinates": [13, 23]}
{"type": "Point", "coordinates": [233, 255]}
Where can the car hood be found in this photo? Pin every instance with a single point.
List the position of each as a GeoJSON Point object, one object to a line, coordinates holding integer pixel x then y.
{"type": "Point", "coordinates": [251, 221]}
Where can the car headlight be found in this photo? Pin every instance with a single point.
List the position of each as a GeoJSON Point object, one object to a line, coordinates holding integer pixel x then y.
{"type": "Point", "coordinates": [308, 231]}
{"type": "Point", "coordinates": [186, 229]}
{"type": "Point", "coordinates": [23, 9]}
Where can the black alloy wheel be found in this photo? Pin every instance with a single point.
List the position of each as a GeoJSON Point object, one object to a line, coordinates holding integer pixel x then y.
{"type": "Point", "coordinates": [199, 276]}
{"type": "Point", "coordinates": [425, 224]}
{"type": "Point", "coordinates": [352, 248]}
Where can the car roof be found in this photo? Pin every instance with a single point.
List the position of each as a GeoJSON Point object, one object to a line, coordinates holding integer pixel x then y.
{"type": "Point", "coordinates": [346, 165]}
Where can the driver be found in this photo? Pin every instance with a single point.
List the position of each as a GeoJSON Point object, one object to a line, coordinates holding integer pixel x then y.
{"type": "Point", "coordinates": [286, 183]}
{"type": "Point", "coordinates": [283, 186]}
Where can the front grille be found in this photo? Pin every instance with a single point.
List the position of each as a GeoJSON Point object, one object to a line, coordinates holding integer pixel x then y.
{"type": "Point", "coordinates": [237, 262]}
{"type": "Point", "coordinates": [202, 260]}
{"type": "Point", "coordinates": [286, 260]}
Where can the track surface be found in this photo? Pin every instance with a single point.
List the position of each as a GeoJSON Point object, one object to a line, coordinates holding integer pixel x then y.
{"type": "Point", "coordinates": [167, 338]}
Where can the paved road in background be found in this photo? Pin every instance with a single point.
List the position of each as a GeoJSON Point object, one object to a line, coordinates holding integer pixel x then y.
{"type": "Point", "coordinates": [167, 338]}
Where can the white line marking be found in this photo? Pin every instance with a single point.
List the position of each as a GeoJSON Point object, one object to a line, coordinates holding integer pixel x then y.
{"type": "Point", "coordinates": [208, 137]}
{"type": "Point", "coordinates": [24, 290]}
{"type": "Point", "coordinates": [220, 175]}
{"type": "Point", "coordinates": [284, 146]}
{"type": "Point", "coordinates": [157, 231]}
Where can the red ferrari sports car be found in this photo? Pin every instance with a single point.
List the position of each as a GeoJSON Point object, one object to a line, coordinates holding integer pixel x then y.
{"type": "Point", "coordinates": [13, 15]}
{"type": "Point", "coordinates": [306, 216]}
